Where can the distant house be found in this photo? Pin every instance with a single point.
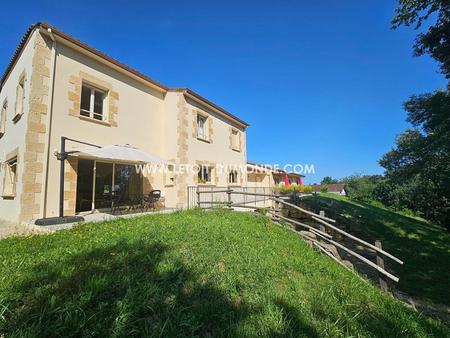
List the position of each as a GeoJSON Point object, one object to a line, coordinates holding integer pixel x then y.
{"type": "Point", "coordinates": [338, 189]}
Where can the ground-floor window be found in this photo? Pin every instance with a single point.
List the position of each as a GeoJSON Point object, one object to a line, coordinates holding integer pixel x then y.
{"type": "Point", "coordinates": [233, 177]}
{"type": "Point", "coordinates": [204, 174]}
{"type": "Point", "coordinates": [10, 177]}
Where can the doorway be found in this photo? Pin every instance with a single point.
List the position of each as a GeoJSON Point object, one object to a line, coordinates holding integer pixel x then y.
{"type": "Point", "coordinates": [85, 185]}
{"type": "Point", "coordinates": [97, 181]}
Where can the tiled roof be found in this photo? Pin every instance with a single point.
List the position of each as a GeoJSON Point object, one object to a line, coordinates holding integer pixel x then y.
{"type": "Point", "coordinates": [108, 58]}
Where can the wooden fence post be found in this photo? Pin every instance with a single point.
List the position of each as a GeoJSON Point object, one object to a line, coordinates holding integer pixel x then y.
{"type": "Point", "coordinates": [380, 263]}
{"type": "Point", "coordinates": [229, 199]}
{"type": "Point", "coordinates": [277, 206]}
{"type": "Point", "coordinates": [198, 197]}
{"type": "Point", "coordinates": [321, 226]}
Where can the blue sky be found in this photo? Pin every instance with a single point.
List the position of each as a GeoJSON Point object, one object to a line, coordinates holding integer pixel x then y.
{"type": "Point", "coordinates": [319, 82]}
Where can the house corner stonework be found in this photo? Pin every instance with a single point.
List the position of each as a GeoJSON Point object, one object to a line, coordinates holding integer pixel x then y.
{"type": "Point", "coordinates": [36, 130]}
{"type": "Point", "coordinates": [182, 148]}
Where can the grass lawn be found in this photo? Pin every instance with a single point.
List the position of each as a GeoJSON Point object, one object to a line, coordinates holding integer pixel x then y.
{"type": "Point", "coordinates": [424, 247]}
{"type": "Point", "coordinates": [191, 273]}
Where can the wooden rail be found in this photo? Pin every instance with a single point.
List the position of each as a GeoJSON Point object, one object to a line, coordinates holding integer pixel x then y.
{"type": "Point", "coordinates": [314, 230]}
{"type": "Point", "coordinates": [387, 254]}
{"type": "Point", "coordinates": [303, 210]}
{"type": "Point", "coordinates": [320, 233]}
{"type": "Point", "coordinates": [364, 259]}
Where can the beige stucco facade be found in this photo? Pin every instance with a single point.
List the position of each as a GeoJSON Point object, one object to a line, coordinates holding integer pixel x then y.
{"type": "Point", "coordinates": [155, 119]}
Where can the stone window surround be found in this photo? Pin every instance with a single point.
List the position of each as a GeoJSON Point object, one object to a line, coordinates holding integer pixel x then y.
{"type": "Point", "coordinates": [14, 154]}
{"type": "Point", "coordinates": [237, 178]}
{"type": "Point", "coordinates": [209, 126]}
{"type": "Point", "coordinates": [18, 115]}
{"type": "Point", "coordinates": [111, 98]}
{"type": "Point", "coordinates": [214, 176]}
{"type": "Point", "coordinates": [239, 142]}
{"type": "Point", "coordinates": [3, 116]}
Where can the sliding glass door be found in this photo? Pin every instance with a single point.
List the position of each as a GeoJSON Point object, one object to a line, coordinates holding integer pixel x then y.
{"type": "Point", "coordinates": [98, 181]}
{"type": "Point", "coordinates": [103, 185]}
{"type": "Point", "coordinates": [127, 182]}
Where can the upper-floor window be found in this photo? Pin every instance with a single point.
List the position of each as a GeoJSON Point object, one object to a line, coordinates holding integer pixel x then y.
{"type": "Point", "coordinates": [92, 102]}
{"type": "Point", "coordinates": [235, 139]}
{"type": "Point", "coordinates": [20, 98]}
{"type": "Point", "coordinates": [233, 177]}
{"type": "Point", "coordinates": [204, 174]}
{"type": "Point", "coordinates": [10, 177]}
{"type": "Point", "coordinates": [3, 117]}
{"type": "Point", "coordinates": [201, 126]}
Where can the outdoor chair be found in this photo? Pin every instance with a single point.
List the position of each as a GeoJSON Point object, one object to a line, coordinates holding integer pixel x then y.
{"type": "Point", "coordinates": [151, 199]}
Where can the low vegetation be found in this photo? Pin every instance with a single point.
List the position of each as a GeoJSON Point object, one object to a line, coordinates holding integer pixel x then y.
{"type": "Point", "coordinates": [191, 273]}
{"type": "Point", "coordinates": [423, 246]}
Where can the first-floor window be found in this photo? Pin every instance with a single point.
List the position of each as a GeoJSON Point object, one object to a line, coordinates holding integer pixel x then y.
{"type": "Point", "coordinates": [92, 102]}
{"type": "Point", "coordinates": [233, 177]}
{"type": "Point", "coordinates": [204, 174]}
{"type": "Point", "coordinates": [10, 177]}
{"type": "Point", "coordinates": [20, 98]}
{"type": "Point", "coordinates": [3, 117]}
{"type": "Point", "coordinates": [201, 126]}
{"type": "Point", "coordinates": [235, 139]}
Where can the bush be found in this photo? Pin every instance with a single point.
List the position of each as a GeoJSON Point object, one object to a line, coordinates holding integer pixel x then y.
{"type": "Point", "coordinates": [302, 188]}
{"type": "Point", "coordinates": [307, 189]}
{"type": "Point", "coordinates": [324, 189]}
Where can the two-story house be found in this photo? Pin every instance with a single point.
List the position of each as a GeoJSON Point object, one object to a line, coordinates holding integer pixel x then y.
{"type": "Point", "coordinates": [56, 85]}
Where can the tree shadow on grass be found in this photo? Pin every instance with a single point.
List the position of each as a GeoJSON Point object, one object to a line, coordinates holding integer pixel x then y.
{"type": "Point", "coordinates": [121, 290]}
{"type": "Point", "coordinates": [422, 246]}
{"type": "Point", "coordinates": [295, 326]}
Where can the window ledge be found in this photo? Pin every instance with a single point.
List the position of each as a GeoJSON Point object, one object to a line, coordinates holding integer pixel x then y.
{"type": "Point", "coordinates": [17, 117]}
{"type": "Point", "coordinates": [236, 149]}
{"type": "Point", "coordinates": [90, 119]}
{"type": "Point", "coordinates": [8, 197]}
{"type": "Point", "coordinates": [203, 139]}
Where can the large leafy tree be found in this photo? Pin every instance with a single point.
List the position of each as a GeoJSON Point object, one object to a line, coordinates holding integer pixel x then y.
{"type": "Point", "coordinates": [436, 40]}
{"type": "Point", "coordinates": [418, 167]}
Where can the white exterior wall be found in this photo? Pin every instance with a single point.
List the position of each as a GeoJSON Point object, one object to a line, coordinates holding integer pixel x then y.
{"type": "Point", "coordinates": [158, 122]}
{"type": "Point", "coordinates": [218, 151]}
{"type": "Point", "coordinates": [140, 116]}
{"type": "Point", "coordinates": [14, 136]}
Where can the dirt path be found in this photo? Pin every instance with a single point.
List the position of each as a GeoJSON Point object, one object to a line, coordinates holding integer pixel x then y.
{"type": "Point", "coordinates": [8, 229]}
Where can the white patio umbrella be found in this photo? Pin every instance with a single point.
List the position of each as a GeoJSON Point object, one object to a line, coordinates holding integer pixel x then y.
{"type": "Point", "coordinates": [124, 153]}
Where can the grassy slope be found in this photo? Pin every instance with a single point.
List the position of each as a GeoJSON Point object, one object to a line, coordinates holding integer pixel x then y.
{"type": "Point", "coordinates": [424, 247]}
{"type": "Point", "coordinates": [185, 274]}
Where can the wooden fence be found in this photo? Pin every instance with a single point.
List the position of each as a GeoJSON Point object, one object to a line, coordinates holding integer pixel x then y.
{"type": "Point", "coordinates": [320, 231]}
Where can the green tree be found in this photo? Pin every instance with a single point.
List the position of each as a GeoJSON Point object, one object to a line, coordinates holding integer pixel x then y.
{"type": "Point", "coordinates": [418, 167]}
{"type": "Point", "coordinates": [329, 180]}
{"type": "Point", "coordinates": [361, 187]}
{"type": "Point", "coordinates": [436, 40]}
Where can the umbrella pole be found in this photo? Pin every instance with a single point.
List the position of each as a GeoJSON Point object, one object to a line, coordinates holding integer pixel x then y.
{"type": "Point", "coordinates": [62, 158]}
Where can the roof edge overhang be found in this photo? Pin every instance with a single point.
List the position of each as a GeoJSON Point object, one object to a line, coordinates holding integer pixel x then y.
{"type": "Point", "coordinates": [83, 48]}
{"type": "Point", "coordinates": [17, 53]}
{"type": "Point", "coordinates": [95, 54]}
{"type": "Point", "coordinates": [214, 107]}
